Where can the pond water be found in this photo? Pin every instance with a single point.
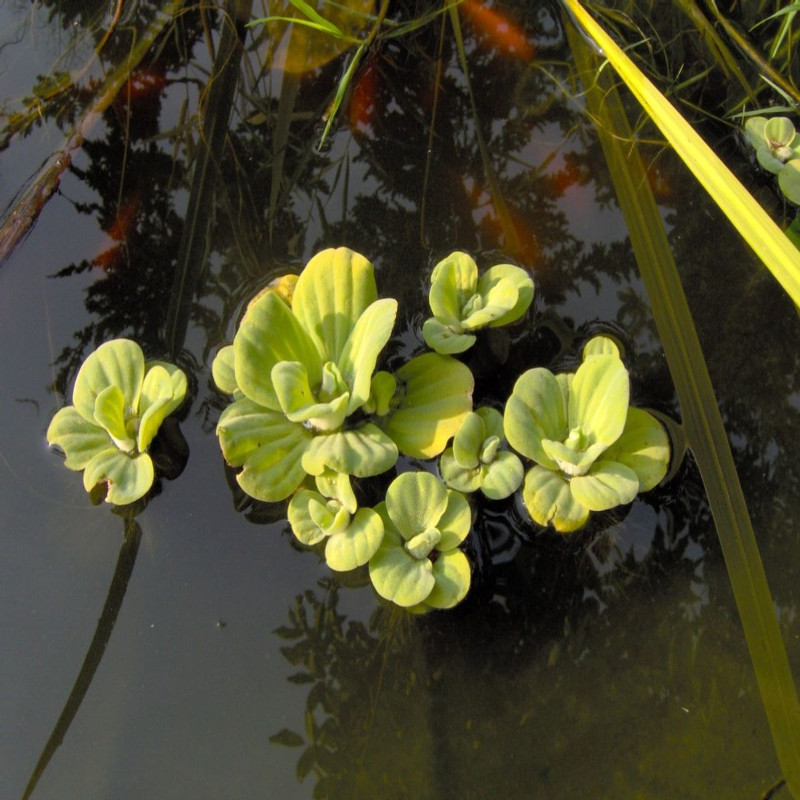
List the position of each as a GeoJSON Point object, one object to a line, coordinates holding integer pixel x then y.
{"type": "Point", "coordinates": [199, 651]}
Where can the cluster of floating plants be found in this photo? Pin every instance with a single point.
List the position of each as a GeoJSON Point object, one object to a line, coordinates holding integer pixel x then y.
{"type": "Point", "coordinates": [312, 416]}
{"type": "Point", "coordinates": [777, 147]}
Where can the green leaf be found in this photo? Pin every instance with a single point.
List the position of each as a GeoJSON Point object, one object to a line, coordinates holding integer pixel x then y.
{"type": "Point", "coordinates": [600, 346]}
{"type": "Point", "coordinates": [535, 411]}
{"type": "Point", "coordinates": [415, 501]}
{"type": "Point", "coordinates": [503, 476]}
{"type": "Point", "coordinates": [337, 486]}
{"type": "Point", "coordinates": [333, 291]}
{"type": "Point", "coordinates": [607, 485]}
{"type": "Point", "coordinates": [109, 412]}
{"type": "Point", "coordinates": [382, 388]}
{"type": "Point", "coordinates": [453, 282]}
{"type": "Point", "coordinates": [155, 404]}
{"type": "Point", "coordinates": [573, 462]}
{"type": "Point", "coordinates": [362, 451]}
{"type": "Point", "coordinates": [468, 441]}
{"type": "Point", "coordinates": [789, 181]}
{"type": "Point", "coordinates": [80, 439]}
{"type": "Point", "coordinates": [462, 479]}
{"type": "Point", "coordinates": [644, 447]}
{"type": "Point", "coordinates": [521, 281]}
{"type": "Point", "coordinates": [443, 339]}
{"type": "Point", "coordinates": [298, 402]}
{"type": "Point", "coordinates": [492, 421]}
{"type": "Point", "coordinates": [498, 302]}
{"type": "Point", "coordinates": [549, 501]}
{"type": "Point", "coordinates": [268, 446]}
{"type": "Point", "coordinates": [423, 544]}
{"type": "Point", "coordinates": [119, 363]}
{"type": "Point", "coordinates": [223, 370]}
{"type": "Point", "coordinates": [128, 477]}
{"type": "Point", "coordinates": [452, 575]}
{"type": "Point", "coordinates": [455, 522]}
{"type": "Point", "coordinates": [268, 334]}
{"type": "Point", "coordinates": [180, 384]}
{"type": "Point", "coordinates": [360, 354]}
{"type": "Point", "coordinates": [396, 575]}
{"type": "Point", "coordinates": [357, 544]}
{"type": "Point", "coordinates": [437, 395]}
{"type": "Point", "coordinates": [303, 526]}
{"type": "Point", "coordinates": [598, 400]}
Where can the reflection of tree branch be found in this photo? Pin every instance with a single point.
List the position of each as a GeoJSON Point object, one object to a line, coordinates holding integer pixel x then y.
{"type": "Point", "coordinates": [29, 204]}
{"type": "Point", "coordinates": [105, 625]}
{"type": "Point", "coordinates": [193, 249]}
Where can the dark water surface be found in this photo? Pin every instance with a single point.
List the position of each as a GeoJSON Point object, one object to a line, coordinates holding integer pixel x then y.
{"type": "Point", "coordinates": [609, 664]}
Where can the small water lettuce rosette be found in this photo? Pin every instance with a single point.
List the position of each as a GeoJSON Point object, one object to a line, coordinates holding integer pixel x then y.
{"type": "Point", "coordinates": [476, 460]}
{"type": "Point", "coordinates": [119, 402]}
{"type": "Point", "coordinates": [777, 146]}
{"type": "Point", "coordinates": [300, 367]}
{"type": "Point", "coordinates": [462, 302]}
{"type": "Point", "coordinates": [591, 450]}
{"type": "Point", "coordinates": [418, 565]}
{"type": "Point", "coordinates": [351, 535]}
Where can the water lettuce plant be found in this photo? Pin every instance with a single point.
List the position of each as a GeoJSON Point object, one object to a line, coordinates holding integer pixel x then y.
{"type": "Point", "coordinates": [476, 460]}
{"type": "Point", "coordinates": [351, 537]}
{"type": "Point", "coordinates": [119, 402]}
{"type": "Point", "coordinates": [462, 302]}
{"type": "Point", "coordinates": [777, 147]}
{"type": "Point", "coordinates": [591, 450]}
{"type": "Point", "coordinates": [302, 364]}
{"type": "Point", "coordinates": [418, 565]}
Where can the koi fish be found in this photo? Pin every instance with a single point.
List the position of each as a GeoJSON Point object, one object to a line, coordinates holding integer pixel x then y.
{"type": "Point", "coordinates": [362, 107]}
{"type": "Point", "coordinates": [498, 31]}
{"type": "Point", "coordinates": [119, 231]}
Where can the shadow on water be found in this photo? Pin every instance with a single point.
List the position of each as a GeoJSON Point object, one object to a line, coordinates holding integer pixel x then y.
{"type": "Point", "coordinates": [595, 663]}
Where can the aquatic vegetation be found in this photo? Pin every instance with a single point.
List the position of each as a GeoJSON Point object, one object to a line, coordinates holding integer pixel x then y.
{"type": "Point", "coordinates": [475, 461]}
{"type": "Point", "coordinates": [119, 402]}
{"type": "Point", "coordinates": [591, 451]}
{"type": "Point", "coordinates": [463, 303]}
{"type": "Point", "coordinates": [775, 141]}
{"type": "Point", "coordinates": [418, 565]}
{"type": "Point", "coordinates": [351, 539]}
{"type": "Point", "coordinates": [301, 364]}
{"type": "Point", "coordinates": [777, 146]}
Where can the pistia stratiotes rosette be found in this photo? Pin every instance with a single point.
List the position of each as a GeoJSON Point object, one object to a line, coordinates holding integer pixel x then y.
{"type": "Point", "coordinates": [301, 365]}
{"type": "Point", "coordinates": [418, 564]}
{"type": "Point", "coordinates": [352, 536]}
{"type": "Point", "coordinates": [119, 402]}
{"type": "Point", "coordinates": [462, 302]}
{"type": "Point", "coordinates": [592, 452]}
{"type": "Point", "coordinates": [777, 146]}
{"type": "Point", "coordinates": [476, 460]}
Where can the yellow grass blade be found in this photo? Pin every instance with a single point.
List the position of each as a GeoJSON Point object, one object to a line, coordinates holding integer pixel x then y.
{"type": "Point", "coordinates": [758, 229]}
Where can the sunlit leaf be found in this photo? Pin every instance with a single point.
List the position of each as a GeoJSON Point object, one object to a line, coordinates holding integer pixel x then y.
{"type": "Point", "coordinates": [607, 485]}
{"type": "Point", "coordinates": [128, 477]}
{"type": "Point", "coordinates": [436, 396]}
{"type": "Point", "coordinates": [549, 501]}
{"type": "Point", "coordinates": [357, 544]}
{"type": "Point", "coordinates": [362, 452]}
{"type": "Point", "coordinates": [119, 363]}
{"type": "Point", "coordinates": [80, 439]}
{"type": "Point", "coordinates": [452, 576]}
{"type": "Point", "coordinates": [535, 411]}
{"type": "Point", "coordinates": [598, 400]}
{"type": "Point", "coordinates": [415, 501]}
{"type": "Point", "coordinates": [644, 447]}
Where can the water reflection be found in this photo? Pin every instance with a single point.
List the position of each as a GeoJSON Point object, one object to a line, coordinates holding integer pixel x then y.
{"type": "Point", "coordinates": [603, 660]}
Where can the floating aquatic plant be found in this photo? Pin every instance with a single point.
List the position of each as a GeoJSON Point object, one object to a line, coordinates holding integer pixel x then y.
{"type": "Point", "coordinates": [462, 302]}
{"type": "Point", "coordinates": [591, 451]}
{"type": "Point", "coordinates": [351, 536]}
{"type": "Point", "coordinates": [476, 460]}
{"type": "Point", "coordinates": [302, 363]}
{"type": "Point", "coordinates": [119, 402]}
{"type": "Point", "coordinates": [418, 565]}
{"type": "Point", "coordinates": [777, 146]}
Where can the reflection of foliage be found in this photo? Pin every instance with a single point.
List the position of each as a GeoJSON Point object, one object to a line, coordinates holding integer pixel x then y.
{"type": "Point", "coordinates": [544, 662]}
